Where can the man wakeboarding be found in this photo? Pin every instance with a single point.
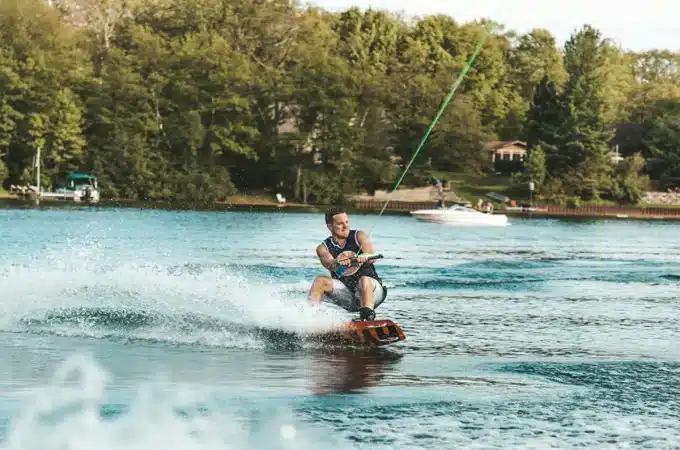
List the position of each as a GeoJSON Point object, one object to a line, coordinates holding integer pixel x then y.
{"type": "Point", "coordinates": [358, 288]}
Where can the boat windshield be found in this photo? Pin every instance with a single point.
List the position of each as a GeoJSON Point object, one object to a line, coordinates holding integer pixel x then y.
{"type": "Point", "coordinates": [460, 208]}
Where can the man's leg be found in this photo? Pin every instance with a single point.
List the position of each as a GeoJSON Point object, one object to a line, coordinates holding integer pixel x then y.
{"type": "Point", "coordinates": [366, 292]}
{"type": "Point", "coordinates": [322, 285]}
{"type": "Point", "coordinates": [336, 292]}
{"type": "Point", "coordinates": [371, 295]}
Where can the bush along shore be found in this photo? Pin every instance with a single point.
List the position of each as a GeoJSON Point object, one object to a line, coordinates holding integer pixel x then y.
{"type": "Point", "coordinates": [398, 207]}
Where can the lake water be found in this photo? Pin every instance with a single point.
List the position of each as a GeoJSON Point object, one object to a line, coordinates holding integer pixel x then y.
{"type": "Point", "coordinates": [137, 329]}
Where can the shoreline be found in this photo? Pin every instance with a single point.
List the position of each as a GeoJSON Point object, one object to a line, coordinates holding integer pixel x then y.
{"type": "Point", "coordinates": [643, 212]}
{"type": "Point", "coordinates": [238, 204]}
{"type": "Point", "coordinates": [646, 212]}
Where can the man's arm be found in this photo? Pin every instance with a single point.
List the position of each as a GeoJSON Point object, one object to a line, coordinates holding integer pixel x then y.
{"type": "Point", "coordinates": [366, 245]}
{"type": "Point", "coordinates": [326, 258]}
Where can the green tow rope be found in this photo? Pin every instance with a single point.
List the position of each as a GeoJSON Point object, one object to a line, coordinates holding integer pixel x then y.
{"type": "Point", "coordinates": [460, 78]}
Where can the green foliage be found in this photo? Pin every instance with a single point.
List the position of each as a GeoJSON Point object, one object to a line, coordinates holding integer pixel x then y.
{"type": "Point", "coordinates": [574, 124]}
{"type": "Point", "coordinates": [585, 134]}
{"type": "Point", "coordinates": [544, 119]}
{"type": "Point", "coordinates": [192, 101]}
{"type": "Point", "coordinates": [3, 171]}
{"type": "Point", "coordinates": [662, 140]}
{"type": "Point", "coordinates": [535, 166]}
{"type": "Point", "coordinates": [629, 184]}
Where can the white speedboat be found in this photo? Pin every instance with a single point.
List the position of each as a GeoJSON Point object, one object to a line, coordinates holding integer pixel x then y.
{"type": "Point", "coordinates": [460, 215]}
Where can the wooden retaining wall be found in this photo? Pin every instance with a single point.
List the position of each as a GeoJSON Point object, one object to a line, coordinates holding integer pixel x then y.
{"type": "Point", "coordinates": [543, 211]}
{"type": "Point", "coordinates": [610, 211]}
{"type": "Point", "coordinates": [393, 205]}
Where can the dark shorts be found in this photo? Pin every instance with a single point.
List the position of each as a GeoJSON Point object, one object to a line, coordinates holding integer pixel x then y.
{"type": "Point", "coordinates": [350, 300]}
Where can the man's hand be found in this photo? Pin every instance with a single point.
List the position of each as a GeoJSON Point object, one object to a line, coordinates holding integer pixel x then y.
{"type": "Point", "coordinates": [346, 260]}
{"type": "Point", "coordinates": [361, 258]}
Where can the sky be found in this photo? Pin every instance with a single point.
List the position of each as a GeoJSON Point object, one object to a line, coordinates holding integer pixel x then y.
{"type": "Point", "coordinates": [638, 26]}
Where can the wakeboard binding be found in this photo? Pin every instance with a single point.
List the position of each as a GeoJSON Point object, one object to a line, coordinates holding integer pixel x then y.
{"type": "Point", "coordinates": [365, 314]}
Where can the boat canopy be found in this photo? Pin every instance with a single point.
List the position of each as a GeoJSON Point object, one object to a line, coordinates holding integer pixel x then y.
{"type": "Point", "coordinates": [71, 180]}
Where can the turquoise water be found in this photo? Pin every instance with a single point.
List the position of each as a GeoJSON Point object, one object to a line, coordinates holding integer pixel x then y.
{"type": "Point", "coordinates": [137, 329]}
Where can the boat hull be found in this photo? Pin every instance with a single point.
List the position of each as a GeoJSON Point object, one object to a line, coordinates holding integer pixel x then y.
{"type": "Point", "coordinates": [461, 218]}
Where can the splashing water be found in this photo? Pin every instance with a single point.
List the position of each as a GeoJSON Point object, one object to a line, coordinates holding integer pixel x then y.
{"type": "Point", "coordinates": [72, 412]}
{"type": "Point", "coordinates": [204, 305]}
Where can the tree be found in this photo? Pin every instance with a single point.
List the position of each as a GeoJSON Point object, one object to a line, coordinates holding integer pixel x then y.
{"type": "Point", "coordinates": [535, 165]}
{"type": "Point", "coordinates": [193, 100]}
{"type": "Point", "coordinates": [662, 140]}
{"type": "Point", "coordinates": [543, 127]}
{"type": "Point", "coordinates": [585, 133]}
{"type": "Point", "coordinates": [629, 185]}
{"type": "Point", "coordinates": [534, 58]}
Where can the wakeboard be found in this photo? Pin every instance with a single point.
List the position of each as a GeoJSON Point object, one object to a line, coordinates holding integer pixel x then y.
{"type": "Point", "coordinates": [373, 333]}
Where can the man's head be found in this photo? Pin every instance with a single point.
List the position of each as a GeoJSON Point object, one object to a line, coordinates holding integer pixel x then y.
{"type": "Point", "coordinates": [337, 222]}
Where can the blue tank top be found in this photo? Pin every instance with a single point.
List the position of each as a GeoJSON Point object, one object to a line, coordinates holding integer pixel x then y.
{"type": "Point", "coordinates": [351, 276]}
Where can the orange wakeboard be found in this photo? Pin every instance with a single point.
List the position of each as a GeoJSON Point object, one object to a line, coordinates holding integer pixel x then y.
{"type": "Point", "coordinates": [371, 333]}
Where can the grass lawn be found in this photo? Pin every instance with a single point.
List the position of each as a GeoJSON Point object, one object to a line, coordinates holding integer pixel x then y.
{"type": "Point", "coordinates": [255, 198]}
{"type": "Point", "coordinates": [473, 187]}
{"type": "Point", "coordinates": [258, 198]}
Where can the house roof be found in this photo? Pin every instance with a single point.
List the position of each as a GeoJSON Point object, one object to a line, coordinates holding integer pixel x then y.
{"type": "Point", "coordinates": [496, 145]}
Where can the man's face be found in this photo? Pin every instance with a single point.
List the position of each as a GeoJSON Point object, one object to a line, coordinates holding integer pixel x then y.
{"type": "Point", "coordinates": [340, 226]}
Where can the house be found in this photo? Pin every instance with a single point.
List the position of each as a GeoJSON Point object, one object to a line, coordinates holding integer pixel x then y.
{"type": "Point", "coordinates": [512, 153]}
{"type": "Point", "coordinates": [289, 126]}
{"type": "Point", "coordinates": [506, 150]}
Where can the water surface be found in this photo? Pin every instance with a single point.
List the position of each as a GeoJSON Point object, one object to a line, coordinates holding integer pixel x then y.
{"type": "Point", "coordinates": [127, 328]}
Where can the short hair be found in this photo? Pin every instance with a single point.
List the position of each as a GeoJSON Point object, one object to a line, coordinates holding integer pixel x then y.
{"type": "Point", "coordinates": [334, 211]}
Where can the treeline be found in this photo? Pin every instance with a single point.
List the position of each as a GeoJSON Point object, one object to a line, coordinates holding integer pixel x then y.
{"type": "Point", "coordinates": [196, 99]}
